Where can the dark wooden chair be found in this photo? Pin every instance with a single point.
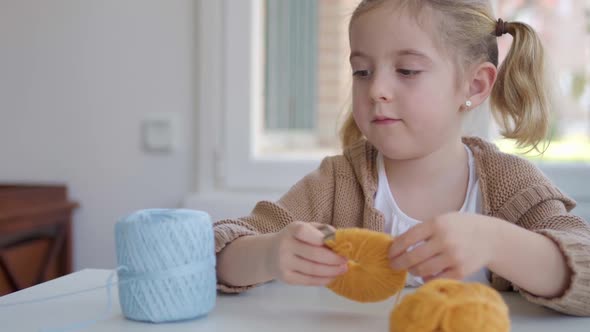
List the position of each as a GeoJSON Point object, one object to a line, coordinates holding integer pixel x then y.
{"type": "Point", "coordinates": [35, 235]}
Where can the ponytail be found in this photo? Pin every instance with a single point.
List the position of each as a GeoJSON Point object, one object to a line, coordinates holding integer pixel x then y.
{"type": "Point", "coordinates": [520, 99]}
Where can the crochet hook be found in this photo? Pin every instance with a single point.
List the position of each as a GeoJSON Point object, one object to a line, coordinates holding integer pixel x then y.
{"type": "Point", "coordinates": [329, 232]}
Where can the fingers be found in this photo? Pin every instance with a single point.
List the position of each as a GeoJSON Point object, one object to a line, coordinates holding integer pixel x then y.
{"type": "Point", "coordinates": [298, 278]}
{"type": "Point", "coordinates": [314, 269]}
{"type": "Point", "coordinates": [303, 258]}
{"type": "Point", "coordinates": [431, 267]}
{"type": "Point", "coordinates": [428, 278]}
{"type": "Point", "coordinates": [311, 265]}
{"type": "Point", "coordinates": [308, 273]}
{"type": "Point", "coordinates": [306, 232]}
{"type": "Point", "coordinates": [320, 226]}
{"type": "Point", "coordinates": [451, 274]}
{"type": "Point", "coordinates": [309, 244]}
{"type": "Point", "coordinates": [416, 256]}
{"type": "Point", "coordinates": [320, 255]}
{"type": "Point", "coordinates": [416, 234]}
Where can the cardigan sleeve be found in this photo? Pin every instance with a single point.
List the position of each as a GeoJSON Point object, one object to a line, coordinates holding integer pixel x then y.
{"type": "Point", "coordinates": [309, 200]}
{"type": "Point", "coordinates": [572, 236]}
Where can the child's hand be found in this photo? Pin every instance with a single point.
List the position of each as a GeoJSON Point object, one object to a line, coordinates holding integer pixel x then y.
{"type": "Point", "coordinates": [298, 256]}
{"type": "Point", "coordinates": [453, 246]}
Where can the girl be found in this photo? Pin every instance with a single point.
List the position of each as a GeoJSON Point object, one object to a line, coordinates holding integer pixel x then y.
{"type": "Point", "coordinates": [458, 207]}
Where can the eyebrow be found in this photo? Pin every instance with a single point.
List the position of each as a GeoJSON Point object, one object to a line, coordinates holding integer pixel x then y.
{"type": "Point", "coordinates": [404, 52]}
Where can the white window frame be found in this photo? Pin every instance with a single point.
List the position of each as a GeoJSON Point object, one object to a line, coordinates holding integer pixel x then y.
{"type": "Point", "coordinates": [230, 37]}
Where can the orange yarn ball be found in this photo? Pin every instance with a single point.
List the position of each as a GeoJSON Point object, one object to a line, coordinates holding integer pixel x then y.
{"type": "Point", "coordinates": [451, 306]}
{"type": "Point", "coordinates": [369, 277]}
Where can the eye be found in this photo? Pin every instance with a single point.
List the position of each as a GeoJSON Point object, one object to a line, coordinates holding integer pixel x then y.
{"type": "Point", "coordinates": [408, 73]}
{"type": "Point", "coordinates": [361, 73]}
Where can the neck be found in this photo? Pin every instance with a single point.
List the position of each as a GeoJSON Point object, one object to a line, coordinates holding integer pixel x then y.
{"type": "Point", "coordinates": [446, 162]}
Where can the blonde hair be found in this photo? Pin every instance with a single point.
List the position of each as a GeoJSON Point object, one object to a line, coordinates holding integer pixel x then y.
{"type": "Point", "coordinates": [520, 99]}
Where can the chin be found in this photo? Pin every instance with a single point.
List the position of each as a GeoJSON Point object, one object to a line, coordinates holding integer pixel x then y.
{"type": "Point", "coordinates": [396, 151]}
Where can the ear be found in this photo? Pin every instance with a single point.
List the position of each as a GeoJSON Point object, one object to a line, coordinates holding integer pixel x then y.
{"type": "Point", "coordinates": [481, 83]}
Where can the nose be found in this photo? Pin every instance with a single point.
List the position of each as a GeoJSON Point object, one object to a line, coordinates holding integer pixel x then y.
{"type": "Point", "coordinates": [381, 90]}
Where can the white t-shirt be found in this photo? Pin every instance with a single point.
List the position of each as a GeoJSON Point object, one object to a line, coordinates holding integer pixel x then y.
{"type": "Point", "coordinates": [397, 222]}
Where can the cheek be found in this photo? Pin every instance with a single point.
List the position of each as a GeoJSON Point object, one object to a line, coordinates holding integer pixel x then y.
{"type": "Point", "coordinates": [431, 109]}
{"type": "Point", "coordinates": [359, 93]}
{"type": "Point", "coordinates": [360, 104]}
{"type": "Point", "coordinates": [359, 114]}
{"type": "Point", "coordinates": [428, 113]}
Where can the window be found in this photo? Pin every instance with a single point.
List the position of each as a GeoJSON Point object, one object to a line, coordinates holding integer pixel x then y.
{"type": "Point", "coordinates": [276, 120]}
{"type": "Point", "coordinates": [307, 75]}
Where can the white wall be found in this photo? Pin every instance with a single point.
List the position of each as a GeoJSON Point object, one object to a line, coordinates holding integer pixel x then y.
{"type": "Point", "coordinates": [76, 79]}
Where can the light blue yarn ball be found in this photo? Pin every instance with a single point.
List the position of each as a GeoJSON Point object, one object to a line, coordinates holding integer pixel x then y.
{"type": "Point", "coordinates": [168, 260]}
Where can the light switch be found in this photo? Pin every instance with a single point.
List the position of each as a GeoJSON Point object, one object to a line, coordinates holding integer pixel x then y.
{"type": "Point", "coordinates": [159, 132]}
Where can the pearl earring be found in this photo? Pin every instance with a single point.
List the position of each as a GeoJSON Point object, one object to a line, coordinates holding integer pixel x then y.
{"type": "Point", "coordinates": [468, 103]}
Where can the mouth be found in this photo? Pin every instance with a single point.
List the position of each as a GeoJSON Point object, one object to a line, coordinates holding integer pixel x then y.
{"type": "Point", "coordinates": [383, 120]}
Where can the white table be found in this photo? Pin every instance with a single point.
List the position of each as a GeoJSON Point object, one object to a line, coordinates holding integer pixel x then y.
{"type": "Point", "coordinates": [272, 307]}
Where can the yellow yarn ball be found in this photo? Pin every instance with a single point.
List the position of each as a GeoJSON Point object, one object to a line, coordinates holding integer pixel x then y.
{"type": "Point", "coordinates": [451, 306]}
{"type": "Point", "coordinates": [418, 313]}
{"type": "Point", "coordinates": [369, 277]}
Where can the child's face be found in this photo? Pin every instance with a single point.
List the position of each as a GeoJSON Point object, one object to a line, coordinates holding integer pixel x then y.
{"type": "Point", "coordinates": [405, 97]}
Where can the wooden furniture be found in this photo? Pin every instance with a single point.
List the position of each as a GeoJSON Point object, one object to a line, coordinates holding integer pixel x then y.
{"type": "Point", "coordinates": [35, 235]}
{"type": "Point", "coordinates": [270, 307]}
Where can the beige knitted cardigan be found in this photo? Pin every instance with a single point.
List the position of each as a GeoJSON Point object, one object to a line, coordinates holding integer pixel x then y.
{"type": "Point", "coordinates": [341, 193]}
